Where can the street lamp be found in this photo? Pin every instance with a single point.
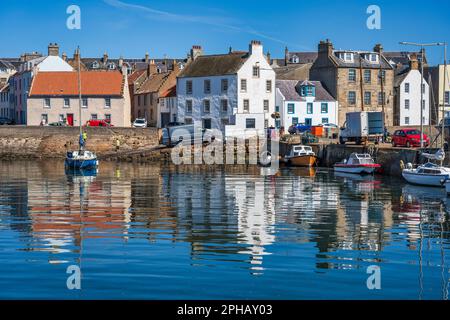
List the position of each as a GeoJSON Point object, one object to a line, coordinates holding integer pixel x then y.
{"type": "Point", "coordinates": [421, 45]}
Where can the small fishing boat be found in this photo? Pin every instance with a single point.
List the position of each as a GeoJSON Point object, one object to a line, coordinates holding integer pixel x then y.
{"type": "Point", "coordinates": [301, 156]}
{"type": "Point", "coordinates": [81, 158]}
{"type": "Point", "coordinates": [428, 174]}
{"type": "Point", "coordinates": [360, 163]}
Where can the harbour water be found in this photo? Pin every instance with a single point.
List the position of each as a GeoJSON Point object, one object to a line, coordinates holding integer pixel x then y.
{"type": "Point", "coordinates": [163, 232]}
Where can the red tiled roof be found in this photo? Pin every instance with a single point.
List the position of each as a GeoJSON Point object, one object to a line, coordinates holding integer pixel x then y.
{"type": "Point", "coordinates": [171, 92]}
{"type": "Point", "coordinates": [135, 75]}
{"type": "Point", "coordinates": [93, 83]}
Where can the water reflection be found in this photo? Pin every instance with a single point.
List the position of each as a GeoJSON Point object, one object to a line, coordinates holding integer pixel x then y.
{"type": "Point", "coordinates": [230, 219]}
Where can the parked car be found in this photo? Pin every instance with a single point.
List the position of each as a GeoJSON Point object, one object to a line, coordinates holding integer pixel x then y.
{"type": "Point", "coordinates": [174, 124]}
{"type": "Point", "coordinates": [58, 124]}
{"type": "Point", "coordinates": [98, 123]}
{"type": "Point", "coordinates": [409, 138]}
{"type": "Point", "coordinates": [4, 121]}
{"type": "Point", "coordinates": [299, 128]}
{"type": "Point", "coordinates": [330, 126]}
{"type": "Point", "coordinates": [140, 123]}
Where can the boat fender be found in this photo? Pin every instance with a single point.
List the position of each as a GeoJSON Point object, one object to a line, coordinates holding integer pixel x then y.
{"type": "Point", "coordinates": [409, 166]}
{"type": "Point", "coordinates": [402, 165]}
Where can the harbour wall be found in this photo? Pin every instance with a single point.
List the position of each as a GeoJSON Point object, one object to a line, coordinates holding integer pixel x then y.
{"type": "Point", "coordinates": [52, 142]}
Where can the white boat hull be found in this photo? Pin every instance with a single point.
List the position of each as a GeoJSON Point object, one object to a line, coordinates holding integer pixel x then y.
{"type": "Point", "coordinates": [425, 179]}
{"type": "Point", "coordinates": [356, 170]}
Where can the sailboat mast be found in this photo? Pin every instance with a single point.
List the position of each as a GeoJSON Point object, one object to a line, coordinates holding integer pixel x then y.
{"type": "Point", "coordinates": [79, 89]}
{"type": "Point", "coordinates": [443, 98]}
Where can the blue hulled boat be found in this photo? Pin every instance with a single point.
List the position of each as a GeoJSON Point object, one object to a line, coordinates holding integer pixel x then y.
{"type": "Point", "coordinates": [81, 159]}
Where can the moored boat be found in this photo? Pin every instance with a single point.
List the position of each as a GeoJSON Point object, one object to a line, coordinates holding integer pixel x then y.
{"type": "Point", "coordinates": [428, 174]}
{"type": "Point", "coordinates": [81, 159]}
{"type": "Point", "coordinates": [359, 163]}
{"type": "Point", "coordinates": [301, 156]}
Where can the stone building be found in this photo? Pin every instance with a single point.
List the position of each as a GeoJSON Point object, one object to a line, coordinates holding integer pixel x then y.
{"type": "Point", "coordinates": [358, 80]}
{"type": "Point", "coordinates": [54, 98]}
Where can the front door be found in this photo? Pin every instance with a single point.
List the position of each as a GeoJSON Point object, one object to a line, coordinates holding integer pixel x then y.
{"type": "Point", "coordinates": [165, 119]}
{"type": "Point", "coordinates": [70, 119]}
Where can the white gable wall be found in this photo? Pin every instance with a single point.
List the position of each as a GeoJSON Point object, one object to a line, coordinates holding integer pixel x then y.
{"type": "Point", "coordinates": [413, 113]}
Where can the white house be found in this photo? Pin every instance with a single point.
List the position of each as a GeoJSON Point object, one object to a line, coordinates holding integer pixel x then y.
{"type": "Point", "coordinates": [233, 92]}
{"type": "Point", "coordinates": [304, 102]}
{"type": "Point", "coordinates": [407, 97]}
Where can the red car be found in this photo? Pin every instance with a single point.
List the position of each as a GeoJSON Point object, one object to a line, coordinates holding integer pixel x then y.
{"type": "Point", "coordinates": [409, 138]}
{"type": "Point", "coordinates": [98, 123]}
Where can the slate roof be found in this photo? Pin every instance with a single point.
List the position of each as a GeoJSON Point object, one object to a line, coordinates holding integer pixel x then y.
{"type": "Point", "coordinates": [293, 71]}
{"type": "Point", "coordinates": [93, 83]}
{"type": "Point", "coordinates": [304, 57]}
{"type": "Point", "coordinates": [4, 64]}
{"type": "Point", "coordinates": [290, 90]}
{"type": "Point", "coordinates": [398, 79]}
{"type": "Point", "coordinates": [136, 75]}
{"type": "Point", "coordinates": [401, 57]}
{"type": "Point", "coordinates": [215, 65]}
{"type": "Point", "coordinates": [359, 60]}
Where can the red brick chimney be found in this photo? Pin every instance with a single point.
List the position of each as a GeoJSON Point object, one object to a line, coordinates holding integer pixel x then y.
{"type": "Point", "coordinates": [151, 69]}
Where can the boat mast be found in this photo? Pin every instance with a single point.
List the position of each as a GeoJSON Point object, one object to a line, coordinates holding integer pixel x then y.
{"type": "Point", "coordinates": [79, 88]}
{"type": "Point", "coordinates": [443, 97]}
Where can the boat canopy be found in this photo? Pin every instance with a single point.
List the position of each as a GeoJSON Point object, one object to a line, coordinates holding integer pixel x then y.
{"type": "Point", "coordinates": [360, 158]}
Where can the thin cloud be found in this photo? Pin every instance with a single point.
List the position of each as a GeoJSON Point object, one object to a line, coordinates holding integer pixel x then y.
{"type": "Point", "coordinates": [212, 21]}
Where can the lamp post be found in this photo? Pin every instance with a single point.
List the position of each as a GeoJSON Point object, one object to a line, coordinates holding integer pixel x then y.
{"type": "Point", "coordinates": [422, 49]}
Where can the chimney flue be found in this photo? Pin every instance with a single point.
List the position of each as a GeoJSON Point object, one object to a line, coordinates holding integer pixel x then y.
{"type": "Point", "coordinates": [53, 49]}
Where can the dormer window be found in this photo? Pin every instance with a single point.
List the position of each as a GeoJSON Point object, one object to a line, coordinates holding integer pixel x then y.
{"type": "Point", "coordinates": [371, 57]}
{"type": "Point", "coordinates": [111, 66]}
{"type": "Point", "coordinates": [295, 59]}
{"type": "Point", "coordinates": [308, 90]}
{"type": "Point", "coordinates": [95, 65]}
{"type": "Point", "coordinates": [348, 56]}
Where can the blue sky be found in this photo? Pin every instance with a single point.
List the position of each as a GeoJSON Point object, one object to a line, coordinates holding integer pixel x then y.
{"type": "Point", "coordinates": [170, 27]}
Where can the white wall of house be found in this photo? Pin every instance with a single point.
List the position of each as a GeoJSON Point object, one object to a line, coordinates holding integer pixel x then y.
{"type": "Point", "coordinates": [53, 63]}
{"type": "Point", "coordinates": [300, 113]}
{"type": "Point", "coordinates": [167, 105]}
{"type": "Point", "coordinates": [409, 108]}
{"type": "Point", "coordinates": [233, 119]}
{"type": "Point", "coordinates": [5, 111]}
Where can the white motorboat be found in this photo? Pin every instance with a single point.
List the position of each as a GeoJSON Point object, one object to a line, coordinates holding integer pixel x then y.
{"type": "Point", "coordinates": [359, 163]}
{"type": "Point", "coordinates": [428, 174]}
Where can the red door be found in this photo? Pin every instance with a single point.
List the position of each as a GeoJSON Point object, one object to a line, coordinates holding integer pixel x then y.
{"type": "Point", "coordinates": [70, 119]}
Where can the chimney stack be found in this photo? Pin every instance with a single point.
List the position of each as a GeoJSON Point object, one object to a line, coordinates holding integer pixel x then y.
{"type": "Point", "coordinates": [175, 66]}
{"type": "Point", "coordinates": [53, 49]}
{"type": "Point", "coordinates": [255, 47]}
{"type": "Point", "coordinates": [378, 48]}
{"type": "Point", "coordinates": [268, 57]}
{"type": "Point", "coordinates": [76, 55]}
{"type": "Point", "coordinates": [151, 68]}
{"type": "Point", "coordinates": [147, 57]}
{"type": "Point", "coordinates": [196, 51]}
{"type": "Point", "coordinates": [120, 62]}
{"type": "Point", "coordinates": [413, 62]}
{"type": "Point", "coordinates": [286, 56]}
{"type": "Point", "coordinates": [326, 47]}
{"type": "Point", "coordinates": [105, 57]}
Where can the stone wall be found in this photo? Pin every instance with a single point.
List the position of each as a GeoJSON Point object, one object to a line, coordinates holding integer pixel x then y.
{"type": "Point", "coordinates": [18, 142]}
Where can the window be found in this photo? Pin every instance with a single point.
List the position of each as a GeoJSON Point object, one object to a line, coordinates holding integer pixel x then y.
{"type": "Point", "coordinates": [224, 105]}
{"type": "Point", "coordinates": [351, 75]}
{"type": "Point", "coordinates": [188, 106]}
{"type": "Point", "coordinates": [324, 120]}
{"type": "Point", "coordinates": [277, 123]}
{"type": "Point", "coordinates": [324, 108]}
{"type": "Point", "coordinates": [244, 85]}
{"type": "Point", "coordinates": [381, 76]}
{"type": "Point", "coordinates": [407, 87]}
{"type": "Point", "coordinates": [308, 121]}
{"type": "Point", "coordinates": [61, 118]}
{"type": "Point", "coordinates": [250, 123]}
{"type": "Point", "coordinates": [94, 116]}
{"type": "Point", "coordinates": [224, 85]}
{"type": "Point", "coordinates": [367, 76]}
{"type": "Point", "coordinates": [266, 105]}
{"type": "Point", "coordinates": [423, 104]}
{"type": "Point", "coordinates": [108, 117]}
{"type": "Point", "coordinates": [207, 86]}
{"type": "Point", "coordinates": [407, 104]}
{"type": "Point", "coordinates": [206, 106]}
{"type": "Point", "coordinates": [423, 88]}
{"type": "Point", "coordinates": [269, 86]}
{"type": "Point", "coordinates": [367, 98]}
{"type": "Point", "coordinates": [256, 71]}
{"type": "Point", "coordinates": [189, 87]}
{"type": "Point", "coordinates": [66, 103]}
{"type": "Point", "coordinates": [406, 120]}
{"type": "Point", "coordinates": [290, 108]}
{"type": "Point", "coordinates": [207, 123]}
{"type": "Point", "coordinates": [84, 103]}
{"type": "Point", "coordinates": [447, 97]}
{"type": "Point", "coordinates": [266, 123]}
{"type": "Point", "coordinates": [277, 108]}
{"type": "Point", "coordinates": [381, 98]}
{"type": "Point", "coordinates": [107, 102]}
{"type": "Point", "coordinates": [294, 121]}
{"type": "Point", "coordinates": [47, 103]}
{"type": "Point", "coordinates": [308, 91]}
{"type": "Point", "coordinates": [246, 105]}
{"type": "Point", "coordinates": [309, 108]}
{"type": "Point", "coordinates": [351, 97]}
